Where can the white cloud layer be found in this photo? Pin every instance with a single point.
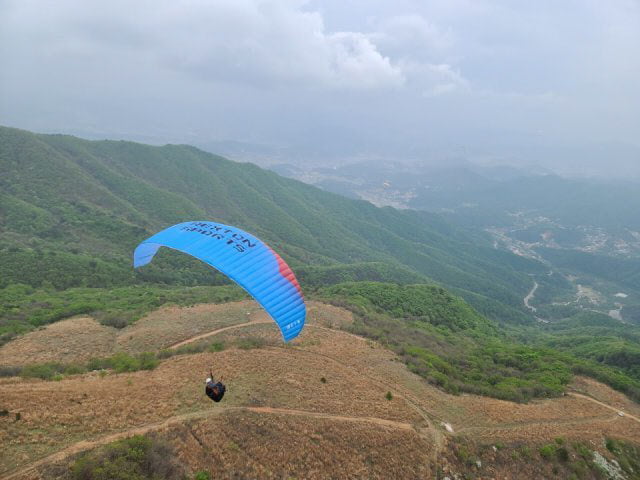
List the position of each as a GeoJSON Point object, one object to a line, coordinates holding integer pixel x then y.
{"type": "Point", "coordinates": [376, 74]}
{"type": "Point", "coordinates": [269, 42]}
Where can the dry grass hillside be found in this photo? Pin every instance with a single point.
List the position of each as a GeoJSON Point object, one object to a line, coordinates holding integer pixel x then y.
{"type": "Point", "coordinates": [315, 408]}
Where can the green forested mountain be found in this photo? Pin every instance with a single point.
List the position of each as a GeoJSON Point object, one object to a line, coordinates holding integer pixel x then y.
{"type": "Point", "coordinates": [71, 212]}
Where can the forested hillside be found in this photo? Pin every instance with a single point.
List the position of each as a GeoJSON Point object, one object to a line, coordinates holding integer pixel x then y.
{"type": "Point", "coordinates": [73, 210]}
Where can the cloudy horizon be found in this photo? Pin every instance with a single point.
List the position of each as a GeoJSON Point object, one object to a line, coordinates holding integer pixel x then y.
{"type": "Point", "coordinates": [548, 83]}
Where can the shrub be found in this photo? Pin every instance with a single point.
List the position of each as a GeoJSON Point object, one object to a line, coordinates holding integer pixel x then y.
{"type": "Point", "coordinates": [74, 369]}
{"type": "Point", "coordinates": [580, 468]}
{"type": "Point", "coordinates": [611, 445]}
{"type": "Point", "coordinates": [251, 343]}
{"type": "Point", "coordinates": [562, 453]}
{"type": "Point", "coordinates": [231, 445]}
{"type": "Point", "coordinates": [548, 451]}
{"type": "Point", "coordinates": [165, 353]}
{"type": "Point", "coordinates": [148, 361]}
{"type": "Point", "coordinates": [115, 320]}
{"type": "Point", "coordinates": [389, 396]}
{"type": "Point", "coordinates": [582, 450]}
{"type": "Point", "coordinates": [137, 457]}
{"type": "Point", "coordinates": [216, 347]}
{"type": "Point", "coordinates": [525, 451]}
{"type": "Point", "coordinates": [98, 364]}
{"type": "Point", "coordinates": [123, 362]}
{"type": "Point", "coordinates": [202, 475]}
{"type": "Point", "coordinates": [45, 371]}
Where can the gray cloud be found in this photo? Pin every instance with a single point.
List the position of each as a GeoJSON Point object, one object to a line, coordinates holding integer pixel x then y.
{"type": "Point", "coordinates": [262, 43]}
{"type": "Point", "coordinates": [371, 76]}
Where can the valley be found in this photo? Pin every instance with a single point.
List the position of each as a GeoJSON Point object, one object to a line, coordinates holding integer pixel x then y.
{"type": "Point", "coordinates": [535, 215]}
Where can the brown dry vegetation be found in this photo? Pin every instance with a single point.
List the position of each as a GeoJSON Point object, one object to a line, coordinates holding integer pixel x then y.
{"type": "Point", "coordinates": [241, 441]}
{"type": "Point", "coordinates": [278, 418]}
{"type": "Point", "coordinates": [72, 340]}
{"type": "Point", "coordinates": [81, 338]}
{"type": "Point", "coordinates": [606, 395]}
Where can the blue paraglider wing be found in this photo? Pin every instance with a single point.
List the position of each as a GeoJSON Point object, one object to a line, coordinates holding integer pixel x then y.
{"type": "Point", "coordinates": [245, 259]}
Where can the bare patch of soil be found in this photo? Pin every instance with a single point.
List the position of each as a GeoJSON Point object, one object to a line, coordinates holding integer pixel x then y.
{"type": "Point", "coordinates": [67, 341]}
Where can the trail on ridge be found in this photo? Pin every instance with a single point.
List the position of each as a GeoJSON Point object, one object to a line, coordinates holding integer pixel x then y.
{"type": "Point", "coordinates": [602, 404]}
{"type": "Point", "coordinates": [141, 430]}
{"type": "Point", "coordinates": [215, 332]}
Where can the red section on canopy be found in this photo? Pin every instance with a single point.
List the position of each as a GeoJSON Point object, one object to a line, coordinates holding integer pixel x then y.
{"type": "Point", "coordinates": [286, 272]}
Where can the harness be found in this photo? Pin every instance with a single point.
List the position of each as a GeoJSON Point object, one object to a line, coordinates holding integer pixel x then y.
{"type": "Point", "coordinates": [212, 394]}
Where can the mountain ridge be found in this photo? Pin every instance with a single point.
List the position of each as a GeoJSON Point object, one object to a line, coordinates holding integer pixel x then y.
{"type": "Point", "coordinates": [90, 211]}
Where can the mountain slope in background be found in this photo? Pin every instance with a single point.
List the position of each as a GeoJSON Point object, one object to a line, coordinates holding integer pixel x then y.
{"type": "Point", "coordinates": [587, 231]}
{"type": "Point", "coordinates": [82, 206]}
{"type": "Point", "coordinates": [72, 211]}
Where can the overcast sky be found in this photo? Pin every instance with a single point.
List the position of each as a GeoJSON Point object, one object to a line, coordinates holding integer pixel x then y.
{"type": "Point", "coordinates": [386, 78]}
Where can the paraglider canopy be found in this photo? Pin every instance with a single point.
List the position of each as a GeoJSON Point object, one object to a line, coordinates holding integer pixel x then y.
{"type": "Point", "coordinates": [245, 259]}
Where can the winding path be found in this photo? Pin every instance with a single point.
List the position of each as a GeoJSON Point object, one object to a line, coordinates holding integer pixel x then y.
{"type": "Point", "coordinates": [436, 435]}
{"type": "Point", "coordinates": [215, 332]}
{"type": "Point", "coordinates": [591, 399]}
{"type": "Point", "coordinates": [530, 296]}
{"type": "Point", "coordinates": [90, 444]}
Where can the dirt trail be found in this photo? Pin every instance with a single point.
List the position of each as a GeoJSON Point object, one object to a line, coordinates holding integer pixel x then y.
{"type": "Point", "coordinates": [557, 421]}
{"type": "Point", "coordinates": [436, 437]}
{"type": "Point", "coordinates": [341, 418]}
{"type": "Point", "coordinates": [240, 325]}
{"type": "Point", "coordinates": [90, 444]}
{"type": "Point", "coordinates": [585, 397]}
{"type": "Point", "coordinates": [530, 296]}
{"type": "Point", "coordinates": [533, 423]}
{"type": "Point", "coordinates": [435, 434]}
{"type": "Point", "coordinates": [215, 332]}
